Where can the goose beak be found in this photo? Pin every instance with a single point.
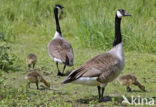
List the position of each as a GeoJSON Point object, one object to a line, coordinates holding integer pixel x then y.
{"type": "Point", "coordinates": [62, 7]}
{"type": "Point", "coordinates": [62, 10]}
{"type": "Point", "coordinates": [126, 14]}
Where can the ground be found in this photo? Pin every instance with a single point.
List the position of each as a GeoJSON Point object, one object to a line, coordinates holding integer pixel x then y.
{"type": "Point", "coordinates": [142, 65]}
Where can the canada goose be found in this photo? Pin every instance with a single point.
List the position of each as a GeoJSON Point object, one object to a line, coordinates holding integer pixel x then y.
{"type": "Point", "coordinates": [104, 68]}
{"type": "Point", "coordinates": [59, 49]}
{"type": "Point", "coordinates": [128, 80]}
{"type": "Point", "coordinates": [31, 60]}
{"type": "Point", "coordinates": [36, 77]}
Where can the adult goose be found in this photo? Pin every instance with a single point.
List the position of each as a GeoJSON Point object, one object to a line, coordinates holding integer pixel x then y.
{"type": "Point", "coordinates": [59, 49]}
{"type": "Point", "coordinates": [104, 68]}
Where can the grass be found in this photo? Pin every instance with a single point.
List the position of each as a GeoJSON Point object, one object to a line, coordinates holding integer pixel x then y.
{"type": "Point", "coordinates": [93, 21]}
{"type": "Point", "coordinates": [29, 25]}
{"type": "Point", "coordinates": [140, 64]}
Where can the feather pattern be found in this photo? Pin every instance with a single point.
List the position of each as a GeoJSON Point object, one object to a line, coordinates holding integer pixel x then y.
{"type": "Point", "coordinates": [60, 49]}
{"type": "Point", "coordinates": [105, 66]}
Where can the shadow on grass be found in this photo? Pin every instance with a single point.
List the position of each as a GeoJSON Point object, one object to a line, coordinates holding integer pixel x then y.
{"type": "Point", "coordinates": [138, 91]}
{"type": "Point", "coordinates": [86, 100]}
{"type": "Point", "coordinates": [44, 88]}
{"type": "Point", "coordinates": [60, 93]}
{"type": "Point", "coordinates": [117, 100]}
{"type": "Point", "coordinates": [64, 74]}
{"type": "Point", "coordinates": [55, 75]}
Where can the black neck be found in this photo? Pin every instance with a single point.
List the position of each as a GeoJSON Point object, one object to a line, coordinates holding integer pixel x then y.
{"type": "Point", "coordinates": [58, 29]}
{"type": "Point", "coordinates": [118, 37]}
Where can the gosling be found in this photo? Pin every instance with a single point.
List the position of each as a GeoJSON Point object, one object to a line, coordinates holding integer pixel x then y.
{"type": "Point", "coordinates": [31, 60]}
{"type": "Point", "coordinates": [36, 77]}
{"type": "Point", "coordinates": [128, 80]}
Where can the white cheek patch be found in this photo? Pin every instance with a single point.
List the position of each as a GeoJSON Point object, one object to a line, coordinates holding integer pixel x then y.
{"type": "Point", "coordinates": [119, 14]}
{"type": "Point", "coordinates": [59, 9]}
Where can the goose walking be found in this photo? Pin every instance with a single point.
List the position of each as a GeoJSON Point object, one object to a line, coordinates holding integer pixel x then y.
{"type": "Point", "coordinates": [59, 49]}
{"type": "Point", "coordinates": [104, 68]}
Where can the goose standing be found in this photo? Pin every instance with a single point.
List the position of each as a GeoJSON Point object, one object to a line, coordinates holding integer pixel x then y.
{"type": "Point", "coordinates": [31, 60]}
{"type": "Point", "coordinates": [59, 49]}
{"type": "Point", "coordinates": [104, 68]}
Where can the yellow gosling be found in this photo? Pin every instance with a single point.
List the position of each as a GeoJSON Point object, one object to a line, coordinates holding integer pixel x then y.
{"type": "Point", "coordinates": [128, 80]}
{"type": "Point", "coordinates": [31, 60]}
{"type": "Point", "coordinates": [36, 77]}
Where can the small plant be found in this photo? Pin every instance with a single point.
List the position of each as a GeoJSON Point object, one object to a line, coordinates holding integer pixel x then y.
{"type": "Point", "coordinates": [6, 58]}
{"type": "Point", "coordinates": [1, 80]}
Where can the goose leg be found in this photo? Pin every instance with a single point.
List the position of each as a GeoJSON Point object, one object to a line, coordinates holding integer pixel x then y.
{"type": "Point", "coordinates": [99, 89]}
{"type": "Point", "coordinates": [33, 66]}
{"type": "Point", "coordinates": [58, 71]}
{"type": "Point", "coordinates": [29, 66]}
{"type": "Point", "coordinates": [103, 89]}
{"type": "Point", "coordinates": [107, 98]}
{"type": "Point", "coordinates": [128, 89]}
{"type": "Point", "coordinates": [64, 68]}
{"type": "Point", "coordinates": [37, 85]}
{"type": "Point", "coordinates": [101, 94]}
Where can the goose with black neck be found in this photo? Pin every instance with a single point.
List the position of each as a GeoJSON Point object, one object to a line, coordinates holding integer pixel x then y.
{"type": "Point", "coordinates": [59, 49]}
{"type": "Point", "coordinates": [104, 68]}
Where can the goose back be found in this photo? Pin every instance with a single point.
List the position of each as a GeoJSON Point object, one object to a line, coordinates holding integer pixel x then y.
{"type": "Point", "coordinates": [61, 51]}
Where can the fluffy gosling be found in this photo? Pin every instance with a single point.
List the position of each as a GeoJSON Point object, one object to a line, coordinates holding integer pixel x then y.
{"type": "Point", "coordinates": [128, 80]}
{"type": "Point", "coordinates": [36, 77]}
{"type": "Point", "coordinates": [31, 60]}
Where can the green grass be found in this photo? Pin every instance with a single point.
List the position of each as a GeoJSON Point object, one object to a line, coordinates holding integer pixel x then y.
{"type": "Point", "coordinates": [29, 25]}
{"type": "Point", "coordinates": [140, 64]}
{"type": "Point", "coordinates": [92, 21]}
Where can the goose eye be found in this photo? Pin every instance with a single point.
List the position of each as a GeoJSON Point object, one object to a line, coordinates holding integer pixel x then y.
{"type": "Point", "coordinates": [122, 11]}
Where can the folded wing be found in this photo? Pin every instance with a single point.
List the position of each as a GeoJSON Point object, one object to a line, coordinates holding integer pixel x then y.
{"type": "Point", "coordinates": [62, 50]}
{"type": "Point", "coordinates": [101, 66]}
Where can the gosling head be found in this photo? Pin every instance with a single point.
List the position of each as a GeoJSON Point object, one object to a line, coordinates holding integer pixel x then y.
{"type": "Point", "coordinates": [121, 12]}
{"type": "Point", "coordinates": [47, 84]}
{"type": "Point", "coordinates": [142, 88]}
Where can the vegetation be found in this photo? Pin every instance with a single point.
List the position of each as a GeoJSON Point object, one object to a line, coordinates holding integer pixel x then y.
{"type": "Point", "coordinates": [93, 21]}
{"type": "Point", "coordinates": [6, 58]}
{"type": "Point", "coordinates": [27, 26]}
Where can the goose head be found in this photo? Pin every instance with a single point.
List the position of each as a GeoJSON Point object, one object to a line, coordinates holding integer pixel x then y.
{"type": "Point", "coordinates": [121, 12]}
{"type": "Point", "coordinates": [58, 8]}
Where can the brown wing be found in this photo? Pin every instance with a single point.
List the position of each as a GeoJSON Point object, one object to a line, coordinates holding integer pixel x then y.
{"type": "Point", "coordinates": [102, 64]}
{"type": "Point", "coordinates": [61, 49]}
